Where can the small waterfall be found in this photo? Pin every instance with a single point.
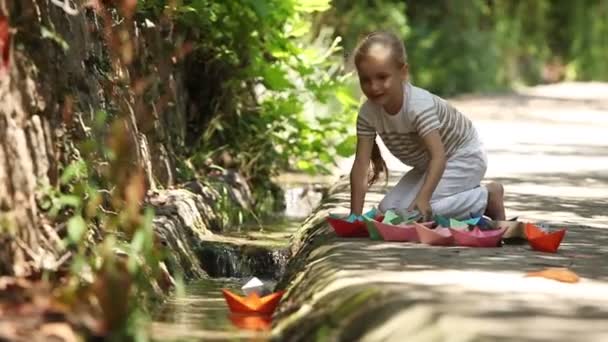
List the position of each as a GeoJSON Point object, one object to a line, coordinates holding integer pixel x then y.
{"type": "Point", "coordinates": [227, 260]}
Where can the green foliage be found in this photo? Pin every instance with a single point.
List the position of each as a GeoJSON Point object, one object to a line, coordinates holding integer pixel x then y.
{"type": "Point", "coordinates": [588, 34]}
{"type": "Point", "coordinates": [275, 88]}
{"type": "Point", "coordinates": [476, 45]}
{"type": "Point", "coordinates": [115, 259]}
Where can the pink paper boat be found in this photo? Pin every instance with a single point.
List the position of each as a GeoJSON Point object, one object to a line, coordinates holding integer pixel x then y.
{"type": "Point", "coordinates": [406, 232]}
{"type": "Point", "coordinates": [478, 237]}
{"type": "Point", "coordinates": [436, 237]}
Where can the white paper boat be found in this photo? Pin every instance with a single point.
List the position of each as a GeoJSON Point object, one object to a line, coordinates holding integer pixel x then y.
{"type": "Point", "coordinates": [253, 285]}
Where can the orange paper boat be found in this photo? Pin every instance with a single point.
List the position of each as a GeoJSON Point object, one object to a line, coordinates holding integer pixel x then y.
{"type": "Point", "coordinates": [436, 237]}
{"type": "Point", "coordinates": [252, 304]}
{"type": "Point", "coordinates": [251, 322]}
{"type": "Point", "coordinates": [406, 232]}
{"type": "Point", "coordinates": [478, 237]}
{"type": "Point", "coordinates": [542, 241]}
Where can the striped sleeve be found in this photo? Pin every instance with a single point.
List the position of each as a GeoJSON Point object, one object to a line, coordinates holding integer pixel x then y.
{"type": "Point", "coordinates": [365, 126]}
{"type": "Point", "coordinates": [427, 120]}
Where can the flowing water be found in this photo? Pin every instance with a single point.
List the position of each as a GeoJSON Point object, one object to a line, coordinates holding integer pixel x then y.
{"type": "Point", "coordinates": [199, 311]}
{"type": "Point", "coordinates": [200, 314]}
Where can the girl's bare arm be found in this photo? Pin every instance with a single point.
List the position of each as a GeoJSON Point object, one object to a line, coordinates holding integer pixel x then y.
{"type": "Point", "coordinates": [359, 174]}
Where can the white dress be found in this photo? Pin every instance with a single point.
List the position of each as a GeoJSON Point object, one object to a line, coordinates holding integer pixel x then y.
{"type": "Point", "coordinates": [459, 193]}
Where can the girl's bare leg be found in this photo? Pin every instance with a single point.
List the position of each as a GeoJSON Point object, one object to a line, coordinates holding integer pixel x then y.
{"type": "Point", "coordinates": [496, 205]}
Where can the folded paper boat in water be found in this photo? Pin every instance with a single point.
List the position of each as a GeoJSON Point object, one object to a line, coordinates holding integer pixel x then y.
{"type": "Point", "coordinates": [251, 322]}
{"type": "Point", "coordinates": [252, 304]}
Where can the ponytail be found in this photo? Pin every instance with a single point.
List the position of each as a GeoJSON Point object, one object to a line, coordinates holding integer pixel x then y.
{"type": "Point", "coordinates": [378, 165]}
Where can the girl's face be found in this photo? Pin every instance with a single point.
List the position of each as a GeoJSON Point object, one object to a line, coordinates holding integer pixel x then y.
{"type": "Point", "coordinates": [381, 78]}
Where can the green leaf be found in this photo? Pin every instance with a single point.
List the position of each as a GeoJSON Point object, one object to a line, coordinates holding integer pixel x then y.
{"type": "Point", "coordinates": [138, 241]}
{"type": "Point", "coordinates": [304, 165]}
{"type": "Point", "coordinates": [75, 170]}
{"type": "Point", "coordinates": [68, 201]}
{"type": "Point", "coordinates": [275, 78]}
{"type": "Point", "coordinates": [347, 147]}
{"type": "Point", "coordinates": [345, 97]}
{"type": "Point", "coordinates": [76, 228]}
{"type": "Point", "coordinates": [186, 9]}
{"type": "Point", "coordinates": [260, 7]}
{"type": "Point", "coordinates": [310, 6]}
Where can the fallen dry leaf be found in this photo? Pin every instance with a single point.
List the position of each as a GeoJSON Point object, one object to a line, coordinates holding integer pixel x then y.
{"type": "Point", "coordinates": [558, 273]}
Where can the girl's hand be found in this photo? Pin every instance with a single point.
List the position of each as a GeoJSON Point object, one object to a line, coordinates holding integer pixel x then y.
{"type": "Point", "coordinates": [423, 206]}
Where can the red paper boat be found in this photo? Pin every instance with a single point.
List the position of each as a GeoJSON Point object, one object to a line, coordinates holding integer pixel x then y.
{"type": "Point", "coordinates": [344, 228]}
{"type": "Point", "coordinates": [251, 322]}
{"type": "Point", "coordinates": [435, 237]}
{"type": "Point", "coordinates": [252, 304]}
{"type": "Point", "coordinates": [406, 232]}
{"type": "Point", "coordinates": [542, 241]}
{"type": "Point", "coordinates": [477, 237]}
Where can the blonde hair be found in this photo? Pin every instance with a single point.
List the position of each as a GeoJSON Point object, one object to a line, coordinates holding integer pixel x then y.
{"type": "Point", "coordinates": [386, 39]}
{"type": "Point", "coordinates": [399, 56]}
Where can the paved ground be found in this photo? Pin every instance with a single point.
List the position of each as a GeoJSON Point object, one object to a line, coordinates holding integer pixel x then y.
{"type": "Point", "coordinates": [552, 156]}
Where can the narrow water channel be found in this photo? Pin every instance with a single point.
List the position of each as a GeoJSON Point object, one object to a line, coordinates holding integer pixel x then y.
{"type": "Point", "coordinates": [200, 313]}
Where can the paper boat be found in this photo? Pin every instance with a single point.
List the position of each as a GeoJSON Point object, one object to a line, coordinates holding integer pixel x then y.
{"type": "Point", "coordinates": [252, 304]}
{"type": "Point", "coordinates": [477, 237]}
{"type": "Point", "coordinates": [473, 221]}
{"type": "Point", "coordinates": [390, 217]}
{"type": "Point", "coordinates": [251, 322]}
{"type": "Point", "coordinates": [436, 237]}
{"type": "Point", "coordinates": [402, 232]}
{"type": "Point", "coordinates": [459, 224]}
{"type": "Point", "coordinates": [442, 220]}
{"type": "Point", "coordinates": [344, 228]}
{"type": "Point", "coordinates": [407, 216]}
{"type": "Point", "coordinates": [371, 229]}
{"type": "Point", "coordinates": [253, 285]}
{"type": "Point", "coordinates": [483, 223]}
{"type": "Point", "coordinates": [542, 241]}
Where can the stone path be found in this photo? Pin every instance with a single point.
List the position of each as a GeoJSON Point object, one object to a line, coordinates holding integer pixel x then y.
{"type": "Point", "coordinates": [552, 156]}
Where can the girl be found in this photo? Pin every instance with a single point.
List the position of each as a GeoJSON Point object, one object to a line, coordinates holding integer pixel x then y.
{"type": "Point", "coordinates": [423, 131]}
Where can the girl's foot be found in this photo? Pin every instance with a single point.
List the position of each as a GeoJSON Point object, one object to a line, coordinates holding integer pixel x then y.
{"type": "Point", "coordinates": [496, 205]}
